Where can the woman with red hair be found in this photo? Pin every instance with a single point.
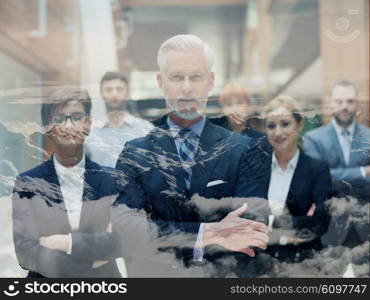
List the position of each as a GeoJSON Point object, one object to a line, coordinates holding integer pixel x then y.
{"type": "Point", "coordinates": [236, 107]}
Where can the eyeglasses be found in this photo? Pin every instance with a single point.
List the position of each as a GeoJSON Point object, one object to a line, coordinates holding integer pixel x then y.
{"type": "Point", "coordinates": [76, 118]}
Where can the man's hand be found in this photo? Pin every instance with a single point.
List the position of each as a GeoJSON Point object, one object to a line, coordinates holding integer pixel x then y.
{"type": "Point", "coordinates": [58, 242]}
{"type": "Point", "coordinates": [236, 234]}
{"type": "Point", "coordinates": [236, 119]}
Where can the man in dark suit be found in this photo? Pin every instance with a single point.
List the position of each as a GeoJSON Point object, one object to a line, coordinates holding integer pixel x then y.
{"type": "Point", "coordinates": [183, 161]}
{"type": "Point", "coordinates": [344, 144]}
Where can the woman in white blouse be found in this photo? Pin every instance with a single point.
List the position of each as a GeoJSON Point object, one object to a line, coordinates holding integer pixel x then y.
{"type": "Point", "coordinates": [296, 185]}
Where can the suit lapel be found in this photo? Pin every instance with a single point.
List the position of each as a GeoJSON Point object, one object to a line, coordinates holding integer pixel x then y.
{"type": "Point", "coordinates": [355, 146]}
{"type": "Point", "coordinates": [168, 151]}
{"type": "Point", "coordinates": [335, 146]}
{"type": "Point", "coordinates": [296, 183]}
{"type": "Point", "coordinates": [90, 191]}
{"type": "Point", "coordinates": [297, 179]}
{"type": "Point", "coordinates": [267, 171]}
{"type": "Point", "coordinates": [55, 196]}
{"type": "Point", "coordinates": [210, 145]}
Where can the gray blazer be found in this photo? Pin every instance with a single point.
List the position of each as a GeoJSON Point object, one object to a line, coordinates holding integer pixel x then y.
{"type": "Point", "coordinates": [349, 222]}
{"type": "Point", "coordinates": [39, 210]}
{"type": "Point", "coordinates": [322, 143]}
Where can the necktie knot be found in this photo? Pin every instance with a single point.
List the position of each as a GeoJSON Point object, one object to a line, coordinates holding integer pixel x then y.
{"type": "Point", "coordinates": [184, 133]}
{"type": "Point", "coordinates": [345, 133]}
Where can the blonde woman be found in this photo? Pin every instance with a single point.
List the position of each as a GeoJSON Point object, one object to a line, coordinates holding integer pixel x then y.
{"type": "Point", "coordinates": [296, 186]}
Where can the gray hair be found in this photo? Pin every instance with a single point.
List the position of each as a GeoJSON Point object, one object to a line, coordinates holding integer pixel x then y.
{"type": "Point", "coordinates": [185, 42]}
{"type": "Point", "coordinates": [343, 83]}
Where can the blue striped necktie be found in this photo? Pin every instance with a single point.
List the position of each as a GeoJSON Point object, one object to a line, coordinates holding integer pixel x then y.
{"type": "Point", "coordinates": [187, 152]}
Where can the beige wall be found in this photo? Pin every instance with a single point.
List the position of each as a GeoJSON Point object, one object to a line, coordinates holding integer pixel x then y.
{"type": "Point", "coordinates": [344, 30]}
{"type": "Point", "coordinates": [50, 53]}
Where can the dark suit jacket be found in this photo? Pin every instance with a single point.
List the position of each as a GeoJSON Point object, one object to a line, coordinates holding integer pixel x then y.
{"type": "Point", "coordinates": [152, 179]}
{"type": "Point", "coordinates": [39, 210]}
{"type": "Point", "coordinates": [311, 183]}
{"type": "Point", "coordinates": [223, 122]}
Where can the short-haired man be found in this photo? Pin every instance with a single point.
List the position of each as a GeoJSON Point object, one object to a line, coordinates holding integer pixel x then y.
{"type": "Point", "coordinates": [189, 158]}
{"type": "Point", "coordinates": [344, 144]}
{"type": "Point", "coordinates": [107, 138]}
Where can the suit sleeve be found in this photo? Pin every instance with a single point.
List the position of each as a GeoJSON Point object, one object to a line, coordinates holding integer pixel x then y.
{"type": "Point", "coordinates": [32, 256]}
{"type": "Point", "coordinates": [351, 175]}
{"type": "Point", "coordinates": [311, 148]}
{"type": "Point", "coordinates": [95, 246]}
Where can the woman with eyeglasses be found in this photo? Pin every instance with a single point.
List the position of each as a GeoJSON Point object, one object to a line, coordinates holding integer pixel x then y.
{"type": "Point", "coordinates": [61, 208]}
{"type": "Point", "coordinates": [297, 186]}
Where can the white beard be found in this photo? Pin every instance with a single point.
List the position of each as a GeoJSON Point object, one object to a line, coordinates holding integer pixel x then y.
{"type": "Point", "coordinates": [188, 116]}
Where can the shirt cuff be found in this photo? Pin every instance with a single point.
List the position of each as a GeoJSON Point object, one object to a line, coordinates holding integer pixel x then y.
{"type": "Point", "coordinates": [69, 251]}
{"type": "Point", "coordinates": [271, 222]}
{"type": "Point", "coordinates": [283, 240]}
{"type": "Point", "coordinates": [363, 172]}
{"type": "Point", "coordinates": [198, 248]}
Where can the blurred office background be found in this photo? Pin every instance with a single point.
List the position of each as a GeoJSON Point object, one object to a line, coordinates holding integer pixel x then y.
{"type": "Point", "coordinates": [270, 46]}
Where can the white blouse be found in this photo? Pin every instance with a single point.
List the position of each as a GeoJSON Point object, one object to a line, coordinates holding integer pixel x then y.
{"type": "Point", "coordinates": [280, 183]}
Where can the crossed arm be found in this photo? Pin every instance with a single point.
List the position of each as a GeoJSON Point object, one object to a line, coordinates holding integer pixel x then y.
{"type": "Point", "coordinates": [358, 175]}
{"type": "Point", "coordinates": [34, 256]}
{"type": "Point", "coordinates": [58, 254]}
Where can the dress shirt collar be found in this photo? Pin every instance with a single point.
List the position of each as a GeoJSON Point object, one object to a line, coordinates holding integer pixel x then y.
{"type": "Point", "coordinates": [339, 129]}
{"type": "Point", "coordinates": [292, 164]}
{"type": "Point", "coordinates": [196, 128]}
{"type": "Point", "coordinates": [77, 170]}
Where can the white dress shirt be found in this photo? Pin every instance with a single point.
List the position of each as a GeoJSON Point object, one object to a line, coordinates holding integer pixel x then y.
{"type": "Point", "coordinates": [104, 143]}
{"type": "Point", "coordinates": [280, 183]}
{"type": "Point", "coordinates": [71, 182]}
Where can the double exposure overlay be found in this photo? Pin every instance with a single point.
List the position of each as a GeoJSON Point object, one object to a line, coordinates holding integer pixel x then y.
{"type": "Point", "coordinates": [223, 138]}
